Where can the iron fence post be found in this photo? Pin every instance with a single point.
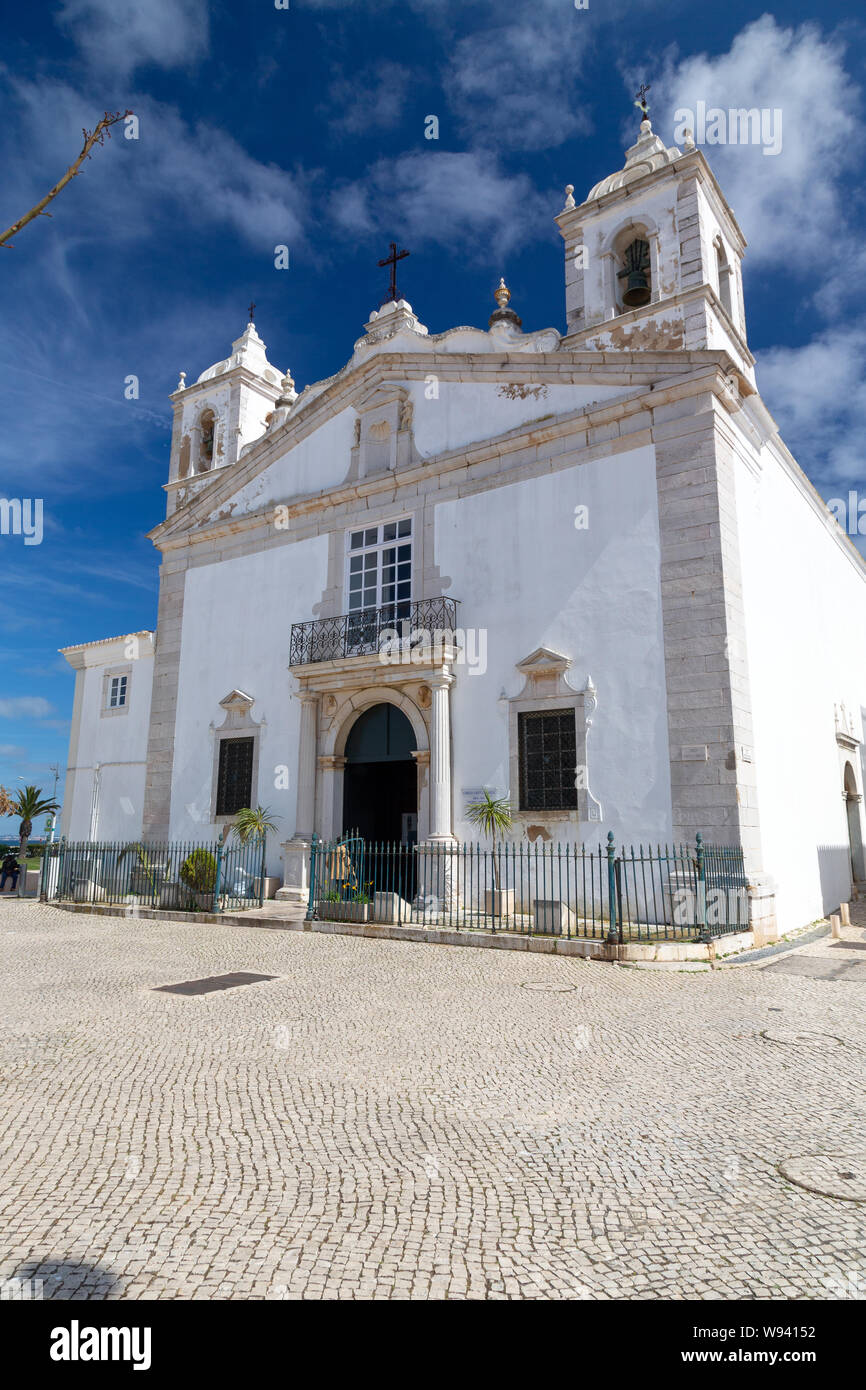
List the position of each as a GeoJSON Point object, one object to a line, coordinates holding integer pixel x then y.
{"type": "Point", "coordinates": [612, 932]}
{"type": "Point", "coordinates": [217, 883]}
{"type": "Point", "coordinates": [311, 911]}
{"type": "Point", "coordinates": [703, 934]}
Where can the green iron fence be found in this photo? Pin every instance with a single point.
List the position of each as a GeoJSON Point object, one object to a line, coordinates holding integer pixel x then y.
{"type": "Point", "coordinates": [185, 876]}
{"type": "Point", "coordinates": [643, 893]}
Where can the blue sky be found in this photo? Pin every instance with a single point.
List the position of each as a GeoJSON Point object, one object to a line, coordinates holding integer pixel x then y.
{"type": "Point", "coordinates": [305, 127]}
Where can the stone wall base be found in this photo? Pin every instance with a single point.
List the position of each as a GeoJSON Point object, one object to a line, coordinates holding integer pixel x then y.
{"type": "Point", "coordinates": [762, 910]}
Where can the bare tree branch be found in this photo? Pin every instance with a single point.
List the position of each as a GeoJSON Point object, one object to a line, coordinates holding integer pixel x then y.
{"type": "Point", "coordinates": [91, 138]}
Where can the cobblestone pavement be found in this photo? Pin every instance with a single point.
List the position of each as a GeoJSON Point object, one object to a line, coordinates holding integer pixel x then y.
{"type": "Point", "coordinates": [390, 1120]}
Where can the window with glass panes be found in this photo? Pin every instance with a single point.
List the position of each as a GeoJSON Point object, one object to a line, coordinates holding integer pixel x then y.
{"type": "Point", "coordinates": [380, 568]}
{"type": "Point", "coordinates": [117, 692]}
{"type": "Point", "coordinates": [548, 756]}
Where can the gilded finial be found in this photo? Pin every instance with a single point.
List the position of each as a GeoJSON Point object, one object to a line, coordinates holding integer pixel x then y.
{"type": "Point", "coordinates": [502, 313]}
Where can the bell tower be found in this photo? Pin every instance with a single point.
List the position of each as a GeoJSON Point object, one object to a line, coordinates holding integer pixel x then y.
{"type": "Point", "coordinates": [219, 414]}
{"type": "Point", "coordinates": [653, 257]}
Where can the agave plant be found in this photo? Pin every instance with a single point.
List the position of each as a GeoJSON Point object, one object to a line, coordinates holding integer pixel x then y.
{"type": "Point", "coordinates": [141, 854]}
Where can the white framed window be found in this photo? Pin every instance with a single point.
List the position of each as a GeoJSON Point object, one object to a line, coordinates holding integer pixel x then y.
{"type": "Point", "coordinates": [117, 688]}
{"type": "Point", "coordinates": [116, 684]}
{"type": "Point", "coordinates": [379, 568]}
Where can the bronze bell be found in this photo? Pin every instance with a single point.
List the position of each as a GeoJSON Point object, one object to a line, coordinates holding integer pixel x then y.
{"type": "Point", "coordinates": [636, 268]}
{"type": "Point", "coordinates": [637, 291]}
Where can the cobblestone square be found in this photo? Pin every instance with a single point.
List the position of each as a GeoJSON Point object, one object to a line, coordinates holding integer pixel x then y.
{"type": "Point", "coordinates": [394, 1120]}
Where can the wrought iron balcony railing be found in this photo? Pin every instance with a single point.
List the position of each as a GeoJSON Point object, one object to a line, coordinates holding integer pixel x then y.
{"type": "Point", "coordinates": [372, 630]}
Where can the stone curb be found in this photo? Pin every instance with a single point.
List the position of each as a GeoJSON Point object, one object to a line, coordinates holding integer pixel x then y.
{"type": "Point", "coordinates": [585, 947]}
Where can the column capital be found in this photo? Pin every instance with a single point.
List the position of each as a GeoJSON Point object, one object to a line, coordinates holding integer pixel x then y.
{"type": "Point", "coordinates": [439, 680]}
{"type": "Point", "coordinates": [331, 762]}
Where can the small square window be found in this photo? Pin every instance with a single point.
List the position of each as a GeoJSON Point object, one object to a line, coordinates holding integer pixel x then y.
{"type": "Point", "coordinates": [117, 686]}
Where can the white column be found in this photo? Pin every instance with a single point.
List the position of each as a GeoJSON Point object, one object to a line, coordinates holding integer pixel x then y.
{"type": "Point", "coordinates": [305, 817]}
{"type": "Point", "coordinates": [440, 758]}
{"type": "Point", "coordinates": [296, 852]}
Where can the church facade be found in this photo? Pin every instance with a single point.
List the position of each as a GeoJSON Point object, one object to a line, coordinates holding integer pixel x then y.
{"type": "Point", "coordinates": [579, 569]}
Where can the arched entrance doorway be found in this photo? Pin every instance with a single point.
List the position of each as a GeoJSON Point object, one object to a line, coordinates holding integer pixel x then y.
{"type": "Point", "coordinates": [380, 779]}
{"type": "Point", "coordinates": [855, 839]}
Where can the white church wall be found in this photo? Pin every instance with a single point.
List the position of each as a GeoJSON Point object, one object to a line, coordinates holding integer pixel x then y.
{"type": "Point", "coordinates": [320, 461]}
{"type": "Point", "coordinates": [806, 632]}
{"type": "Point", "coordinates": [525, 573]}
{"type": "Point", "coordinates": [466, 412]}
{"type": "Point", "coordinates": [104, 792]}
{"type": "Point", "coordinates": [237, 617]}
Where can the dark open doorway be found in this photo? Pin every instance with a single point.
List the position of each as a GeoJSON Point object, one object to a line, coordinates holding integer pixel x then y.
{"type": "Point", "coordinates": [380, 781]}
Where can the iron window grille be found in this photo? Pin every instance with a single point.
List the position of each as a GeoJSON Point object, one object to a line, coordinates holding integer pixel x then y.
{"type": "Point", "coordinates": [235, 775]}
{"type": "Point", "coordinates": [548, 756]}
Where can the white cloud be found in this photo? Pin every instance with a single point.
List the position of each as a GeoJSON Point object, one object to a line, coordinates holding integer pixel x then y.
{"type": "Point", "coordinates": [461, 201]}
{"type": "Point", "coordinates": [120, 37]}
{"type": "Point", "coordinates": [513, 86]}
{"type": "Point", "coordinates": [373, 98]}
{"type": "Point", "coordinates": [818, 394]}
{"type": "Point", "coordinates": [201, 173]}
{"type": "Point", "coordinates": [799, 212]}
{"type": "Point", "coordinates": [25, 707]}
{"type": "Point", "coordinates": [790, 205]}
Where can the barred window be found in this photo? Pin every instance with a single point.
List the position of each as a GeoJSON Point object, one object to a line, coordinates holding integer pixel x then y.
{"type": "Point", "coordinates": [548, 757]}
{"type": "Point", "coordinates": [235, 776]}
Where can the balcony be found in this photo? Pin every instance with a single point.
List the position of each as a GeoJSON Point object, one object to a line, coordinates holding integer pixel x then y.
{"type": "Point", "coordinates": [362, 633]}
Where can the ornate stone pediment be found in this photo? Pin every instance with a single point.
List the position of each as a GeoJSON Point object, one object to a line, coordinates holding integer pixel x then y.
{"type": "Point", "coordinates": [544, 671]}
{"type": "Point", "coordinates": [238, 707]}
{"type": "Point", "coordinates": [237, 700]}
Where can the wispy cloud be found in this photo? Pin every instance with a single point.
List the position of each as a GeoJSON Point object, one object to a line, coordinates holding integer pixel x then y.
{"type": "Point", "coordinates": [459, 200]}
{"type": "Point", "coordinates": [801, 212]}
{"type": "Point", "coordinates": [26, 707]}
{"type": "Point", "coordinates": [512, 85]}
{"type": "Point", "coordinates": [371, 99]}
{"type": "Point", "coordinates": [119, 38]}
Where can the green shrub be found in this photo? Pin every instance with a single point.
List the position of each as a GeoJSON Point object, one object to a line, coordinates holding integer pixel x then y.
{"type": "Point", "coordinates": [198, 871]}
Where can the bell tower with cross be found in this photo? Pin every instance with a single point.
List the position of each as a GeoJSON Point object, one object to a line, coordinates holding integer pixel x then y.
{"type": "Point", "coordinates": [653, 255]}
{"type": "Point", "coordinates": [220, 413]}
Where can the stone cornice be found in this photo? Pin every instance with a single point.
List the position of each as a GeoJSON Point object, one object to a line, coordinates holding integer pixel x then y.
{"type": "Point", "coordinates": [598, 368]}
{"type": "Point", "coordinates": [711, 376]}
{"type": "Point", "coordinates": [689, 166]}
{"type": "Point", "coordinates": [240, 374]}
{"type": "Point", "coordinates": [651, 310]}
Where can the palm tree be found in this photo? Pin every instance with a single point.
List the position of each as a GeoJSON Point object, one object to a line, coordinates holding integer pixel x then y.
{"type": "Point", "coordinates": [27, 804]}
{"type": "Point", "coordinates": [255, 824]}
{"type": "Point", "coordinates": [491, 814]}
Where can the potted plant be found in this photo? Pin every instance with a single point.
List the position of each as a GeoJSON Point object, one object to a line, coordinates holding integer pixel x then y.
{"type": "Point", "coordinates": [354, 907]}
{"type": "Point", "coordinates": [253, 824]}
{"type": "Point", "coordinates": [198, 872]}
{"type": "Point", "coordinates": [492, 816]}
